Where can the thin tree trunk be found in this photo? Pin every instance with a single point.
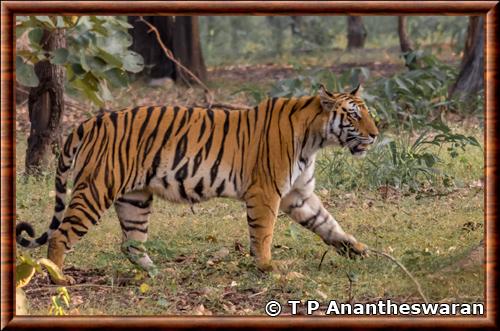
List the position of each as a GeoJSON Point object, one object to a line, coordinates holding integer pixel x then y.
{"type": "Point", "coordinates": [469, 40]}
{"type": "Point", "coordinates": [470, 79]}
{"type": "Point", "coordinates": [404, 41]}
{"type": "Point", "coordinates": [296, 25]}
{"type": "Point", "coordinates": [181, 35]}
{"type": "Point", "coordinates": [146, 44]}
{"type": "Point", "coordinates": [45, 106]}
{"type": "Point", "coordinates": [187, 46]}
{"type": "Point", "coordinates": [275, 23]}
{"type": "Point", "coordinates": [356, 32]}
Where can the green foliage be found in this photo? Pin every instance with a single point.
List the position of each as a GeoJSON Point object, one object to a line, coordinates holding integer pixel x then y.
{"type": "Point", "coordinates": [25, 271]}
{"type": "Point", "coordinates": [310, 83]}
{"type": "Point", "coordinates": [408, 101]}
{"type": "Point", "coordinates": [96, 57]}
{"type": "Point", "coordinates": [243, 39]}
{"type": "Point", "coordinates": [405, 163]}
{"type": "Point", "coordinates": [411, 99]}
{"type": "Point", "coordinates": [59, 302]}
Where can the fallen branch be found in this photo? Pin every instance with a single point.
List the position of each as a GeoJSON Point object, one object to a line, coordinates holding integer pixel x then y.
{"type": "Point", "coordinates": [208, 94]}
{"type": "Point", "coordinates": [390, 257]}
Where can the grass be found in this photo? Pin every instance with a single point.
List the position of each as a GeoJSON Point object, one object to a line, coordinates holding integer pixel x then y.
{"type": "Point", "coordinates": [205, 267]}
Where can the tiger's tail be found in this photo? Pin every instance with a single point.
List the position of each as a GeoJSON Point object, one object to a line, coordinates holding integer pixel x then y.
{"type": "Point", "coordinates": [71, 146]}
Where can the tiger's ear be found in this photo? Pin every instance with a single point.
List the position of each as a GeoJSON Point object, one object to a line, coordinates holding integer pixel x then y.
{"type": "Point", "coordinates": [357, 91]}
{"type": "Point", "coordinates": [328, 103]}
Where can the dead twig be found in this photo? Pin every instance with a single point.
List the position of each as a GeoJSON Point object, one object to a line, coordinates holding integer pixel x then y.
{"type": "Point", "coordinates": [322, 258]}
{"type": "Point", "coordinates": [258, 293]}
{"type": "Point", "coordinates": [390, 257]}
{"type": "Point", "coordinates": [208, 93]}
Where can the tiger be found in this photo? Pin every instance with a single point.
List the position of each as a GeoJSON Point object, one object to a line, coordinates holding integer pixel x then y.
{"type": "Point", "coordinates": [263, 156]}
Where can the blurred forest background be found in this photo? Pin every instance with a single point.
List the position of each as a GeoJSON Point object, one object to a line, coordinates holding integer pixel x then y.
{"type": "Point", "coordinates": [418, 194]}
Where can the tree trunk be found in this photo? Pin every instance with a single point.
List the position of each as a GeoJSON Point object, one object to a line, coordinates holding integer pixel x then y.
{"type": "Point", "coordinates": [356, 32]}
{"type": "Point", "coordinates": [146, 44]}
{"type": "Point", "coordinates": [404, 41]}
{"type": "Point", "coordinates": [296, 25]}
{"type": "Point", "coordinates": [469, 40]}
{"type": "Point", "coordinates": [181, 35]}
{"type": "Point", "coordinates": [275, 23]}
{"type": "Point", "coordinates": [470, 79]}
{"type": "Point", "coordinates": [45, 106]}
{"type": "Point", "coordinates": [187, 47]}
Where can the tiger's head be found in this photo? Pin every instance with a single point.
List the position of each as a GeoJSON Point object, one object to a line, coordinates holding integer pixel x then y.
{"type": "Point", "coordinates": [347, 120]}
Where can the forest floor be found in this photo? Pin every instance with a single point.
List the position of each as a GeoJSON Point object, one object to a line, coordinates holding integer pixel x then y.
{"type": "Point", "coordinates": [202, 255]}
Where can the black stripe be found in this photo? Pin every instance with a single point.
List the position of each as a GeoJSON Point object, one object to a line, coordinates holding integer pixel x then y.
{"type": "Point", "coordinates": [308, 221]}
{"type": "Point", "coordinates": [215, 167]}
{"type": "Point", "coordinates": [307, 103]}
{"type": "Point", "coordinates": [202, 129]}
{"type": "Point", "coordinates": [79, 131]}
{"type": "Point", "coordinates": [135, 222]}
{"type": "Point", "coordinates": [208, 144]}
{"type": "Point", "coordinates": [221, 187]}
{"type": "Point", "coordinates": [59, 205]}
{"type": "Point", "coordinates": [43, 239]}
{"type": "Point", "coordinates": [180, 150]}
{"type": "Point", "coordinates": [166, 136]}
{"type": "Point", "coordinates": [199, 188]}
{"type": "Point", "coordinates": [54, 224]}
{"type": "Point", "coordinates": [182, 122]}
{"type": "Point", "coordinates": [165, 182]}
{"type": "Point", "coordinates": [78, 232]}
{"type": "Point", "coordinates": [133, 228]}
{"type": "Point", "coordinates": [197, 162]}
{"type": "Point", "coordinates": [137, 203]}
{"type": "Point", "coordinates": [238, 129]}
{"type": "Point", "coordinates": [180, 175]}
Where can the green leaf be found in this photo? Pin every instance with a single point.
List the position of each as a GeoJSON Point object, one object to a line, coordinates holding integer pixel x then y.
{"type": "Point", "coordinates": [365, 72]}
{"type": "Point", "coordinates": [77, 69]}
{"type": "Point", "coordinates": [133, 62]}
{"type": "Point", "coordinates": [24, 273]}
{"type": "Point", "coordinates": [46, 21]}
{"type": "Point", "coordinates": [117, 77]}
{"type": "Point", "coordinates": [59, 56]}
{"type": "Point", "coordinates": [35, 36]}
{"type": "Point", "coordinates": [109, 58]}
{"type": "Point", "coordinates": [105, 93]}
{"type": "Point", "coordinates": [96, 64]}
{"type": "Point", "coordinates": [83, 61]}
{"type": "Point", "coordinates": [60, 22]}
{"type": "Point", "coordinates": [54, 271]}
{"type": "Point", "coordinates": [25, 74]}
{"type": "Point", "coordinates": [401, 85]}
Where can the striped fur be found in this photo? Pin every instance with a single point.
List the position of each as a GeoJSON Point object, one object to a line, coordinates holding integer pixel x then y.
{"type": "Point", "coordinates": [263, 156]}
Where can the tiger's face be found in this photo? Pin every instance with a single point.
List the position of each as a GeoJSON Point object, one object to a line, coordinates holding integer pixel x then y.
{"type": "Point", "coordinates": [348, 121]}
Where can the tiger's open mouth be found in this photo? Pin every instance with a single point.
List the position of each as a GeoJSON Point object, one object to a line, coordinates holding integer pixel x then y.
{"type": "Point", "coordinates": [359, 150]}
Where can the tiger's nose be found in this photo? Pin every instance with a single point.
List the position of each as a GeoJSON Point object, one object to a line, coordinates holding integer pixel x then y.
{"type": "Point", "coordinates": [373, 136]}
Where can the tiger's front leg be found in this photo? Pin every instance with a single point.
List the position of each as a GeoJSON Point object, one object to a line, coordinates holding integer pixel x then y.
{"type": "Point", "coordinates": [262, 209]}
{"type": "Point", "coordinates": [304, 207]}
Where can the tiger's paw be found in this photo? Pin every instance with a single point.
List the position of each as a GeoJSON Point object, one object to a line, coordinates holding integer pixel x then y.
{"type": "Point", "coordinates": [351, 249]}
{"type": "Point", "coordinates": [276, 266]}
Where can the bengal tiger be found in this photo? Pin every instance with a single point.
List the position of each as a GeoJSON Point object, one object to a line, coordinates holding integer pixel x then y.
{"type": "Point", "coordinates": [263, 156]}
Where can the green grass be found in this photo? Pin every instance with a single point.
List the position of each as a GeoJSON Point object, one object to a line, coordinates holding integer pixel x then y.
{"type": "Point", "coordinates": [199, 264]}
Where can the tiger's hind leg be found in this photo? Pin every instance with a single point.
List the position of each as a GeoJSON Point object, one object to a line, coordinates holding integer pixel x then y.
{"type": "Point", "coordinates": [133, 211]}
{"type": "Point", "coordinates": [82, 212]}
